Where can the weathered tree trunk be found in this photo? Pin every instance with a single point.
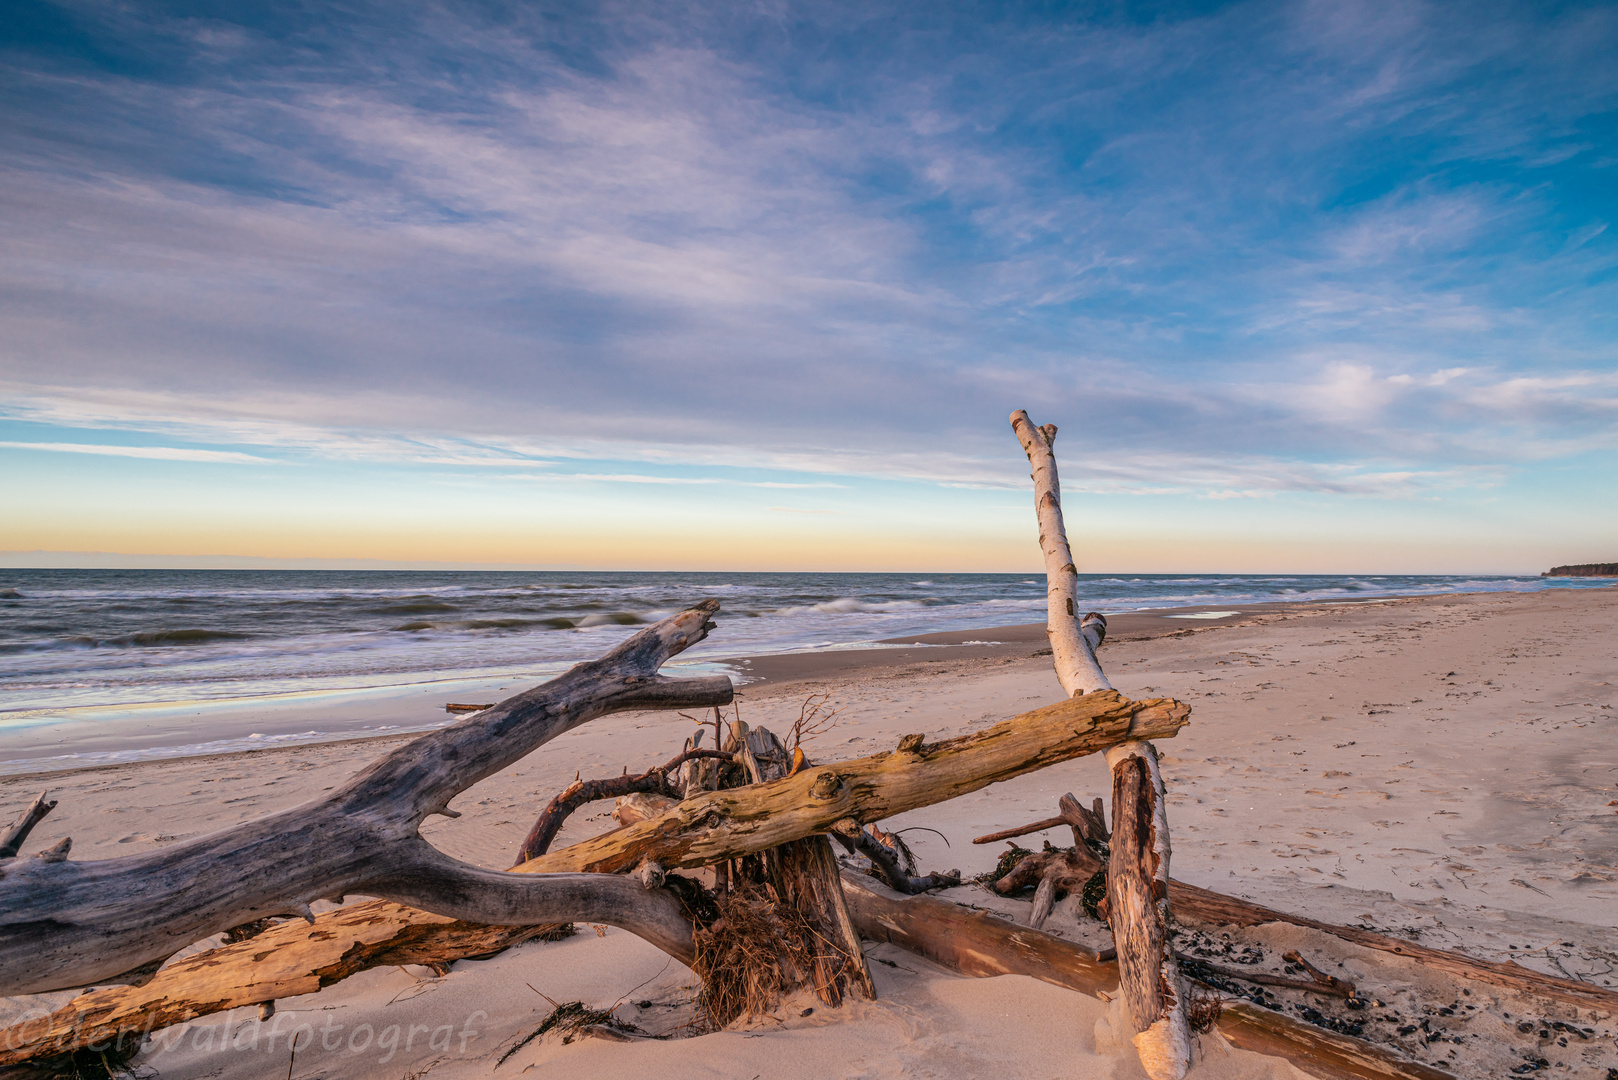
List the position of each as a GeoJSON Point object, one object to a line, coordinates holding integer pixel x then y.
{"type": "Point", "coordinates": [1137, 879]}
{"type": "Point", "coordinates": [285, 961]}
{"type": "Point", "coordinates": [68, 923]}
{"type": "Point", "coordinates": [804, 874]}
{"type": "Point", "coordinates": [978, 944]}
{"type": "Point", "coordinates": [1138, 912]}
{"type": "Point", "coordinates": [708, 829]}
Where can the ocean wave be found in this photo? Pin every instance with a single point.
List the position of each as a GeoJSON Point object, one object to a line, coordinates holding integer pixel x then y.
{"type": "Point", "coordinates": [853, 605]}
{"type": "Point", "coordinates": [150, 639]}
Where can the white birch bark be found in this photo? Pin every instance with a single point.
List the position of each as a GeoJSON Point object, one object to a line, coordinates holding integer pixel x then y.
{"type": "Point", "coordinates": [1138, 873]}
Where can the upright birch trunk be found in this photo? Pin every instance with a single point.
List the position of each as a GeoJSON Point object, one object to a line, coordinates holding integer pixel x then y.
{"type": "Point", "coordinates": [1138, 872]}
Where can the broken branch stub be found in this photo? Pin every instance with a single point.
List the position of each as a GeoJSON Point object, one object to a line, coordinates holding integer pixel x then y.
{"type": "Point", "coordinates": [67, 923]}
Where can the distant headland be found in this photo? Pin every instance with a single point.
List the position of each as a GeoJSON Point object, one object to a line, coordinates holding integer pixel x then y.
{"type": "Point", "coordinates": [1590, 569]}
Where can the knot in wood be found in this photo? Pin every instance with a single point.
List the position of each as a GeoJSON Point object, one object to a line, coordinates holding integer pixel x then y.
{"type": "Point", "coordinates": [826, 786]}
{"type": "Point", "coordinates": [847, 827]}
{"type": "Point", "coordinates": [713, 820]}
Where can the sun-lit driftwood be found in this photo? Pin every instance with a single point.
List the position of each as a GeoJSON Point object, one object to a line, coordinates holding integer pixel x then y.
{"type": "Point", "coordinates": [978, 944]}
{"type": "Point", "coordinates": [727, 824]}
{"type": "Point", "coordinates": [804, 875]}
{"type": "Point", "coordinates": [1137, 877]}
{"type": "Point", "coordinates": [66, 923]}
{"type": "Point", "coordinates": [284, 961]}
{"type": "Point", "coordinates": [710, 828]}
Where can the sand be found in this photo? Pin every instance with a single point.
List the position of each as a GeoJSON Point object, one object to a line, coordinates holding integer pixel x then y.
{"type": "Point", "coordinates": [1444, 768]}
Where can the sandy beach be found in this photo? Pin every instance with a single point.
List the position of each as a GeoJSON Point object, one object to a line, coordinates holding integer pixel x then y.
{"type": "Point", "coordinates": [1442, 768]}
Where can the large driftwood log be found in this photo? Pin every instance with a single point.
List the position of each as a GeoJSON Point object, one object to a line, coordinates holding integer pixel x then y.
{"type": "Point", "coordinates": [978, 944]}
{"type": "Point", "coordinates": [1205, 905]}
{"type": "Point", "coordinates": [1137, 877]}
{"type": "Point", "coordinates": [68, 923]}
{"type": "Point", "coordinates": [744, 821]}
{"type": "Point", "coordinates": [284, 961]}
{"type": "Point", "coordinates": [727, 824]}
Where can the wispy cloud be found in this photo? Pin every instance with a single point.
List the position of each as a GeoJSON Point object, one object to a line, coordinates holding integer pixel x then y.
{"type": "Point", "coordinates": [156, 453]}
{"type": "Point", "coordinates": [1346, 249]}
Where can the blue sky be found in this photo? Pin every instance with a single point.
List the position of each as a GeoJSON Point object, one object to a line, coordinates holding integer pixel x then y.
{"type": "Point", "coordinates": [1306, 286]}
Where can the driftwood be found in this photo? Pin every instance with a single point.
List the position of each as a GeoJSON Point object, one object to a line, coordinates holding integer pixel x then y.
{"type": "Point", "coordinates": [1319, 982]}
{"type": "Point", "coordinates": [65, 924]}
{"type": "Point", "coordinates": [804, 876]}
{"type": "Point", "coordinates": [889, 864]}
{"type": "Point", "coordinates": [284, 961]}
{"type": "Point", "coordinates": [978, 944]}
{"type": "Point", "coordinates": [1059, 870]}
{"type": "Point", "coordinates": [654, 781]}
{"type": "Point", "coordinates": [12, 839]}
{"type": "Point", "coordinates": [1089, 824]}
{"type": "Point", "coordinates": [1137, 875]}
{"type": "Point", "coordinates": [719, 825]}
{"type": "Point", "coordinates": [1205, 905]}
{"type": "Point", "coordinates": [744, 821]}
{"type": "Point", "coordinates": [1197, 904]}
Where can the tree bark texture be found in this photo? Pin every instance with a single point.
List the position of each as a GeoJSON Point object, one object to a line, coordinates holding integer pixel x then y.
{"type": "Point", "coordinates": [1138, 910]}
{"type": "Point", "coordinates": [66, 923]}
{"type": "Point", "coordinates": [1152, 983]}
{"type": "Point", "coordinates": [1205, 905]}
{"type": "Point", "coordinates": [804, 874]}
{"type": "Point", "coordinates": [978, 944]}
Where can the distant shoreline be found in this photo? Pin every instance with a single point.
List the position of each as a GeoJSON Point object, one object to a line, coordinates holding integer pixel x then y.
{"type": "Point", "coordinates": [1584, 570]}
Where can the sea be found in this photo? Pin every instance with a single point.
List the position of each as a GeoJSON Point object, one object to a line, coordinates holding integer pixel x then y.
{"type": "Point", "coordinates": [107, 666]}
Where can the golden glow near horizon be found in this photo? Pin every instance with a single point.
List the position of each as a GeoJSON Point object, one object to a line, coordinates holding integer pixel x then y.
{"type": "Point", "coordinates": [109, 510]}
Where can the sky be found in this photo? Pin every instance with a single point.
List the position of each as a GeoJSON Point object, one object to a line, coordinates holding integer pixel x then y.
{"type": "Point", "coordinates": [1306, 287]}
